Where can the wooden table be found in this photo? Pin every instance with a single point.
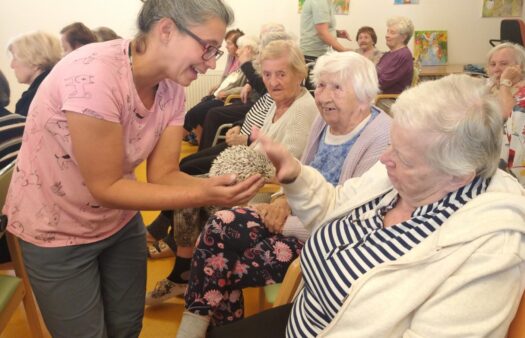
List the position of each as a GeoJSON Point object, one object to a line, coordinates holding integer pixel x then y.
{"type": "Point", "coordinates": [434, 72]}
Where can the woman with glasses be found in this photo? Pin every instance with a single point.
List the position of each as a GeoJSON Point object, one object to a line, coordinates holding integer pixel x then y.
{"type": "Point", "coordinates": [73, 199]}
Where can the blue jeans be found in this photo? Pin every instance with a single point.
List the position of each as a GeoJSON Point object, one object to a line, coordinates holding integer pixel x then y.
{"type": "Point", "coordinates": [92, 290]}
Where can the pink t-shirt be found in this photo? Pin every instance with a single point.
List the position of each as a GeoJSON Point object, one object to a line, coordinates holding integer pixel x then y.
{"type": "Point", "coordinates": [48, 203]}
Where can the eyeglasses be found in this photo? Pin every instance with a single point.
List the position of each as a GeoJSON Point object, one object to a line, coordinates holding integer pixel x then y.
{"type": "Point", "coordinates": [210, 51]}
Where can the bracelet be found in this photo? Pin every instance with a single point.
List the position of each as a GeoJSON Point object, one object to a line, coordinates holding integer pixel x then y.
{"type": "Point", "coordinates": [505, 83]}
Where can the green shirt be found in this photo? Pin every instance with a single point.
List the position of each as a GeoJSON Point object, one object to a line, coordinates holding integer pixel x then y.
{"type": "Point", "coordinates": [315, 12]}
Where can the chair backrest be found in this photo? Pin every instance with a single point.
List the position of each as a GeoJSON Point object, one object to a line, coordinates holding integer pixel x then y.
{"type": "Point", "coordinates": [290, 284]}
{"type": "Point", "coordinates": [5, 179]}
{"type": "Point", "coordinates": [415, 74]}
{"type": "Point", "coordinates": [512, 30]}
{"type": "Point", "coordinates": [385, 102]}
{"type": "Point", "coordinates": [517, 327]}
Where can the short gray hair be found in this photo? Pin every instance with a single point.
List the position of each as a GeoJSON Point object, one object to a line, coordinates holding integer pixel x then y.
{"type": "Point", "coordinates": [349, 68]}
{"type": "Point", "coordinates": [249, 41]}
{"type": "Point", "coordinates": [268, 37]}
{"type": "Point", "coordinates": [464, 119]}
{"type": "Point", "coordinates": [272, 27]}
{"type": "Point", "coordinates": [185, 13]}
{"type": "Point", "coordinates": [518, 51]}
{"type": "Point", "coordinates": [39, 49]}
{"type": "Point", "coordinates": [403, 26]}
{"type": "Point", "coordinates": [280, 48]}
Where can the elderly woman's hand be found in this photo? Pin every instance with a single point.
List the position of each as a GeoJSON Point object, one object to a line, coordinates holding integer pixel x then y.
{"type": "Point", "coordinates": [512, 73]}
{"type": "Point", "coordinates": [273, 214]}
{"type": "Point", "coordinates": [245, 91]}
{"type": "Point", "coordinates": [235, 138]}
{"type": "Point", "coordinates": [286, 166]}
{"type": "Point", "coordinates": [221, 95]}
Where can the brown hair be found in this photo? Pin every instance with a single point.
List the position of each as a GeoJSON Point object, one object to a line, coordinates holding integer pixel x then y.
{"type": "Point", "coordinates": [368, 30]}
{"type": "Point", "coordinates": [235, 34]}
{"type": "Point", "coordinates": [78, 35]}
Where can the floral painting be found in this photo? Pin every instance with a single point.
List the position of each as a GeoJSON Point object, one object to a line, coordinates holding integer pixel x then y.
{"type": "Point", "coordinates": [496, 8]}
{"type": "Point", "coordinates": [341, 7]}
{"type": "Point", "coordinates": [301, 3]}
{"type": "Point", "coordinates": [405, 2]}
{"type": "Point", "coordinates": [430, 47]}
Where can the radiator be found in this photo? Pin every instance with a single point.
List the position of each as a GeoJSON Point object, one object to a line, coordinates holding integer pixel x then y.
{"type": "Point", "coordinates": [200, 87]}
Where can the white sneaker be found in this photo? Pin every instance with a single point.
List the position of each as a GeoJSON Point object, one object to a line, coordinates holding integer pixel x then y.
{"type": "Point", "coordinates": [164, 290]}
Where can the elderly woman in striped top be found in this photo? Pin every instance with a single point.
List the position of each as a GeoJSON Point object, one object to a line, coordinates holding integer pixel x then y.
{"type": "Point", "coordinates": [413, 247]}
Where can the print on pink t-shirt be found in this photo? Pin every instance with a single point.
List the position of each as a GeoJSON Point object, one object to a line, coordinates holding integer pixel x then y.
{"type": "Point", "coordinates": [48, 203]}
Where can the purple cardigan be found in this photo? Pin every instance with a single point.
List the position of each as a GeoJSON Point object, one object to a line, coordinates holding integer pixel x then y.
{"type": "Point", "coordinates": [362, 156]}
{"type": "Point", "coordinates": [395, 70]}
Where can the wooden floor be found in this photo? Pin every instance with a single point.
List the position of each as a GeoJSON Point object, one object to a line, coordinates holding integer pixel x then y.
{"type": "Point", "coordinates": [160, 321]}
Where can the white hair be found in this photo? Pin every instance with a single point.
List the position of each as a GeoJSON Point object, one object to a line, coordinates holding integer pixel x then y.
{"type": "Point", "coordinates": [268, 37]}
{"type": "Point", "coordinates": [272, 27]}
{"type": "Point", "coordinates": [464, 119]}
{"type": "Point", "coordinates": [350, 68]}
{"type": "Point", "coordinates": [402, 25]}
{"type": "Point", "coordinates": [518, 51]}
{"type": "Point", "coordinates": [249, 41]}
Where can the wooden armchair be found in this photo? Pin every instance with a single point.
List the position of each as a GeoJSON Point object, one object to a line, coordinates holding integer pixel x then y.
{"type": "Point", "coordinates": [385, 102]}
{"type": "Point", "coordinates": [517, 327]}
{"type": "Point", "coordinates": [15, 290]}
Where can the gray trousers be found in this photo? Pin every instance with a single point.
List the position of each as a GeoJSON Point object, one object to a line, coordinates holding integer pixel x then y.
{"type": "Point", "coordinates": [91, 290]}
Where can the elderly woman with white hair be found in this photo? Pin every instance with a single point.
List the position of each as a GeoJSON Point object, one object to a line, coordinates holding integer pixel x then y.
{"type": "Point", "coordinates": [396, 67]}
{"type": "Point", "coordinates": [253, 246]}
{"type": "Point", "coordinates": [33, 56]}
{"type": "Point", "coordinates": [506, 70]}
{"type": "Point", "coordinates": [413, 247]}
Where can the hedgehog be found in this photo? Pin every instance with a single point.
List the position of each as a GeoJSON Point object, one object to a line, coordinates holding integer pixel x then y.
{"type": "Point", "coordinates": [242, 161]}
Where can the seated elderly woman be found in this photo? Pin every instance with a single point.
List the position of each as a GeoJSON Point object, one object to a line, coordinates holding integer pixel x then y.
{"type": "Point", "coordinates": [396, 67]}
{"type": "Point", "coordinates": [33, 56]}
{"type": "Point", "coordinates": [366, 39]}
{"type": "Point", "coordinates": [249, 94]}
{"type": "Point", "coordinates": [413, 247]}
{"type": "Point", "coordinates": [288, 120]}
{"type": "Point", "coordinates": [231, 82]}
{"type": "Point", "coordinates": [506, 70]}
{"type": "Point", "coordinates": [254, 246]}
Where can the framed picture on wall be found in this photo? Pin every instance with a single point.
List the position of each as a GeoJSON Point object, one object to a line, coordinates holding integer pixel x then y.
{"type": "Point", "coordinates": [405, 2]}
{"type": "Point", "coordinates": [342, 7]}
{"type": "Point", "coordinates": [430, 47]}
{"type": "Point", "coordinates": [497, 8]}
{"type": "Point", "coordinates": [300, 6]}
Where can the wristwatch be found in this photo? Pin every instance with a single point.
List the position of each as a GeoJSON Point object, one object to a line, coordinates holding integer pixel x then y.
{"type": "Point", "coordinates": [505, 82]}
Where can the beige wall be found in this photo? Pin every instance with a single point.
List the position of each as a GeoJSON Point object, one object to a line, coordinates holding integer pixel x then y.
{"type": "Point", "coordinates": [468, 32]}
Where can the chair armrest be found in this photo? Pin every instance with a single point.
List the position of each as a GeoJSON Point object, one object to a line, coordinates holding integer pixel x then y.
{"type": "Point", "coordinates": [230, 98]}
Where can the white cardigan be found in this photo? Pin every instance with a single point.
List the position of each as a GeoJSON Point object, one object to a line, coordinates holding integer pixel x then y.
{"type": "Point", "coordinates": [464, 280]}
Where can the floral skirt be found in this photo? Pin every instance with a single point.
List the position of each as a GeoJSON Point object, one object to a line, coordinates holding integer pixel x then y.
{"type": "Point", "coordinates": [234, 251]}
